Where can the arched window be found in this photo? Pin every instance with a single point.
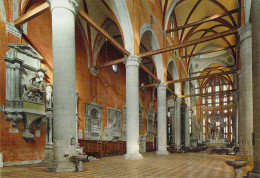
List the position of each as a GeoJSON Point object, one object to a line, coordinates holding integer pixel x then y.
{"type": "Point", "coordinates": [216, 88]}
{"type": "Point", "coordinates": [225, 128]}
{"type": "Point", "coordinates": [225, 100]}
{"type": "Point", "coordinates": [203, 100]}
{"type": "Point", "coordinates": [209, 101]}
{"type": "Point", "coordinates": [209, 90]}
{"type": "Point", "coordinates": [217, 100]}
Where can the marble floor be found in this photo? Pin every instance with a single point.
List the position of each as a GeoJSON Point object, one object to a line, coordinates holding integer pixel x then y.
{"type": "Point", "coordinates": [197, 165]}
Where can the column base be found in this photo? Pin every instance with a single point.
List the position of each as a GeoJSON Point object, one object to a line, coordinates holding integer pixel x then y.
{"type": "Point", "coordinates": [133, 156]}
{"type": "Point", "coordinates": [62, 167]}
{"type": "Point", "coordinates": [48, 154]}
{"type": "Point", "coordinates": [253, 174]}
{"type": "Point", "coordinates": [160, 152]}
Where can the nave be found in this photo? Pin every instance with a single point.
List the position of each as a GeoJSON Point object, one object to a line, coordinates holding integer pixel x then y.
{"type": "Point", "coordinates": [190, 165]}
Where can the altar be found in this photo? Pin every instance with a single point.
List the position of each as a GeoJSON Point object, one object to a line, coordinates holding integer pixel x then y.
{"type": "Point", "coordinates": [216, 127]}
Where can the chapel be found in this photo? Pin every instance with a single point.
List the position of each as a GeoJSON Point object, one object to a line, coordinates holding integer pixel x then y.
{"type": "Point", "coordinates": [115, 88]}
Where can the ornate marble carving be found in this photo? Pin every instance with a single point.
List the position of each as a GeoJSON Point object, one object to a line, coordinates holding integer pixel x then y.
{"type": "Point", "coordinates": [25, 86]}
{"type": "Point", "coordinates": [93, 121]}
{"type": "Point", "coordinates": [114, 122]}
{"type": "Point", "coordinates": [33, 89]}
{"type": "Point", "coordinates": [124, 122]}
{"type": "Point", "coordinates": [141, 117]}
{"type": "Point", "coordinates": [151, 130]}
{"type": "Point", "coordinates": [142, 143]}
{"type": "Point", "coordinates": [10, 28]}
{"type": "Point", "coordinates": [49, 96]}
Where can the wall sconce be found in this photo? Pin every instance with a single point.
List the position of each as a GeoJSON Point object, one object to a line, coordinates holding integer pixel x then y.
{"type": "Point", "coordinates": [73, 141]}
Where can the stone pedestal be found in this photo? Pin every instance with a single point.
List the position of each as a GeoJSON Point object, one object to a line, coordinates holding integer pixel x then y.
{"type": "Point", "coordinates": [64, 84]}
{"type": "Point", "coordinates": [132, 107]}
{"type": "Point", "coordinates": [247, 95]}
{"type": "Point", "coordinates": [178, 124]}
{"type": "Point", "coordinates": [162, 119]}
{"type": "Point", "coordinates": [237, 166]}
{"type": "Point", "coordinates": [255, 16]}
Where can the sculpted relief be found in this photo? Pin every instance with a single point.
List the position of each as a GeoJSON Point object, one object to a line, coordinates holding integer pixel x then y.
{"type": "Point", "coordinates": [114, 122]}
{"type": "Point", "coordinates": [25, 86]}
{"type": "Point", "coordinates": [93, 121]}
{"type": "Point", "coordinates": [34, 89]}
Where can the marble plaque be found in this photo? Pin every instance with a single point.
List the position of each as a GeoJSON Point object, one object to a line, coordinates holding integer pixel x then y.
{"type": "Point", "coordinates": [37, 133]}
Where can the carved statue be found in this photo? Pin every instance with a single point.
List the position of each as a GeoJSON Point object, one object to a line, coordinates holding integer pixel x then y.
{"type": "Point", "coordinates": [33, 91]}
{"type": "Point", "coordinates": [49, 97]}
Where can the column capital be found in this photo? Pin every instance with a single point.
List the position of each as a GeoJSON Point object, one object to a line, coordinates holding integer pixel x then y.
{"type": "Point", "coordinates": [162, 86]}
{"type": "Point", "coordinates": [71, 5]}
{"type": "Point", "coordinates": [132, 60]}
{"type": "Point", "coordinates": [245, 31]}
{"type": "Point", "coordinates": [17, 66]}
{"type": "Point", "coordinates": [9, 65]}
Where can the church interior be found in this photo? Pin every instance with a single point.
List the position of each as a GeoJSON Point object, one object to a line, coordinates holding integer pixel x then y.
{"type": "Point", "coordinates": [129, 88]}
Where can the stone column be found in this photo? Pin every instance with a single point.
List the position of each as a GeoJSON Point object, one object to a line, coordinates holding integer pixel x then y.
{"type": "Point", "coordinates": [178, 123]}
{"type": "Point", "coordinates": [255, 16]}
{"type": "Point", "coordinates": [247, 96]}
{"type": "Point", "coordinates": [162, 119]}
{"type": "Point", "coordinates": [236, 111]}
{"type": "Point", "coordinates": [173, 123]}
{"type": "Point", "coordinates": [12, 85]}
{"type": "Point", "coordinates": [187, 127]}
{"type": "Point", "coordinates": [187, 117]}
{"type": "Point", "coordinates": [240, 119]}
{"type": "Point", "coordinates": [64, 83]}
{"type": "Point", "coordinates": [50, 130]}
{"type": "Point", "coordinates": [132, 107]}
{"type": "Point", "coordinates": [194, 135]}
{"type": "Point", "coordinates": [8, 80]}
{"type": "Point", "coordinates": [17, 81]}
{"type": "Point", "coordinates": [49, 144]}
{"type": "Point", "coordinates": [194, 132]}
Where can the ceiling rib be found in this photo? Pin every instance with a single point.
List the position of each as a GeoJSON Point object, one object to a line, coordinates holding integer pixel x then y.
{"type": "Point", "coordinates": [189, 43]}
{"type": "Point", "coordinates": [212, 69]}
{"type": "Point", "coordinates": [208, 19]}
{"type": "Point", "coordinates": [207, 52]}
{"type": "Point", "coordinates": [89, 20]}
